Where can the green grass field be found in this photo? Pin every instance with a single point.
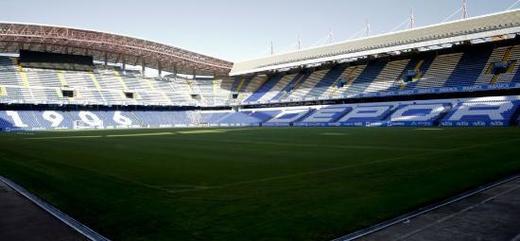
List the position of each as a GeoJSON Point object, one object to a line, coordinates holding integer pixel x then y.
{"type": "Point", "coordinates": [252, 184]}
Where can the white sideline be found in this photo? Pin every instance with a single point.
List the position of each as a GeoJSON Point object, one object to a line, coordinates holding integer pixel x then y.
{"type": "Point", "coordinates": [68, 220]}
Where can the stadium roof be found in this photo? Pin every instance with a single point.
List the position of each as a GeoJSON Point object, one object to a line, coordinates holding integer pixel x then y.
{"type": "Point", "coordinates": [494, 26]}
{"type": "Point", "coordinates": [107, 47]}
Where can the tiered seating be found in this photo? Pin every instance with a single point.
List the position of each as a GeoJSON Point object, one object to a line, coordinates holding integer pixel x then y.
{"type": "Point", "coordinates": [323, 116]}
{"type": "Point", "coordinates": [488, 111]}
{"type": "Point", "coordinates": [433, 72]}
{"type": "Point", "coordinates": [389, 76]}
{"type": "Point", "coordinates": [285, 93]}
{"type": "Point", "coordinates": [328, 80]}
{"type": "Point", "coordinates": [514, 74]}
{"type": "Point", "coordinates": [422, 114]}
{"type": "Point", "coordinates": [278, 88]}
{"type": "Point", "coordinates": [17, 94]}
{"type": "Point", "coordinates": [246, 86]}
{"type": "Point", "coordinates": [174, 91]}
{"type": "Point", "coordinates": [263, 115]}
{"type": "Point", "coordinates": [469, 68]}
{"type": "Point", "coordinates": [159, 119]}
{"type": "Point", "coordinates": [133, 82]}
{"type": "Point", "coordinates": [222, 93]}
{"type": "Point", "coordinates": [499, 54]}
{"type": "Point", "coordinates": [307, 84]}
{"type": "Point", "coordinates": [367, 115]}
{"type": "Point", "coordinates": [239, 119]}
{"type": "Point", "coordinates": [270, 83]}
{"type": "Point", "coordinates": [214, 116]}
{"type": "Point", "coordinates": [496, 111]}
{"type": "Point", "coordinates": [464, 69]}
{"type": "Point", "coordinates": [420, 66]}
{"type": "Point", "coordinates": [211, 92]}
{"type": "Point", "coordinates": [366, 78]}
{"type": "Point", "coordinates": [289, 116]}
{"type": "Point", "coordinates": [110, 80]}
{"type": "Point", "coordinates": [348, 76]}
{"type": "Point", "coordinates": [104, 86]}
{"type": "Point", "coordinates": [440, 70]}
{"type": "Point", "coordinates": [8, 74]}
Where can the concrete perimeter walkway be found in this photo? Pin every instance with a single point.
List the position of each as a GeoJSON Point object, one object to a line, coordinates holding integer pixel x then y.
{"type": "Point", "coordinates": [22, 220]}
{"type": "Point", "coordinates": [493, 215]}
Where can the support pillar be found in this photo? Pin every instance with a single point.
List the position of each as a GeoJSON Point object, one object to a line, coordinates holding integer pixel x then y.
{"type": "Point", "coordinates": [159, 68]}
{"type": "Point", "coordinates": [143, 67]}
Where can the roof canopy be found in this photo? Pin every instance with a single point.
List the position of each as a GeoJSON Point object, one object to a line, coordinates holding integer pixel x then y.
{"type": "Point", "coordinates": [107, 47]}
{"type": "Point", "coordinates": [493, 25]}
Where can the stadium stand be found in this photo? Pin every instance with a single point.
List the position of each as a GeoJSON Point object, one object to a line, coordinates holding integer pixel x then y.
{"type": "Point", "coordinates": [102, 86]}
{"type": "Point", "coordinates": [445, 72]}
{"type": "Point", "coordinates": [475, 69]}
{"type": "Point", "coordinates": [482, 111]}
{"type": "Point", "coordinates": [461, 73]}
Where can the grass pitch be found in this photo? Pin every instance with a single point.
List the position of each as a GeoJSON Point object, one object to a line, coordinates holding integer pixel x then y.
{"type": "Point", "coordinates": [252, 184]}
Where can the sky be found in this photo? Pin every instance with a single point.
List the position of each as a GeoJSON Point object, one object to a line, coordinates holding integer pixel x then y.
{"type": "Point", "coordinates": [238, 30]}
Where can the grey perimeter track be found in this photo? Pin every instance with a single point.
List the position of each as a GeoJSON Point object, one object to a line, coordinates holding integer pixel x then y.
{"type": "Point", "coordinates": [22, 220]}
{"type": "Point", "coordinates": [489, 215]}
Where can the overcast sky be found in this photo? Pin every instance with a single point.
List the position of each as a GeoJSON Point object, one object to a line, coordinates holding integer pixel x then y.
{"type": "Point", "coordinates": [239, 29]}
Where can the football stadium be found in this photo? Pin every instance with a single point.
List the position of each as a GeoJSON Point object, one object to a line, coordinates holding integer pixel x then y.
{"type": "Point", "coordinates": [405, 135]}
